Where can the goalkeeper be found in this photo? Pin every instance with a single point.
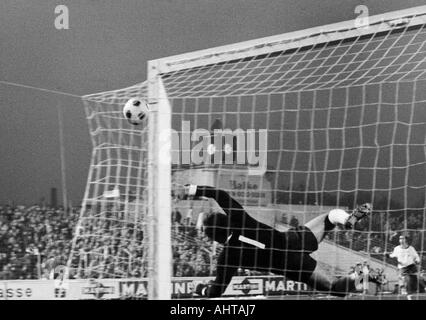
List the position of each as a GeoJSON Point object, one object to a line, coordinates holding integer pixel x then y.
{"type": "Point", "coordinates": [250, 244]}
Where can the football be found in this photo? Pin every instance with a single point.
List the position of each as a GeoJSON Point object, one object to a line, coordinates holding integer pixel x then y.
{"type": "Point", "coordinates": [135, 111]}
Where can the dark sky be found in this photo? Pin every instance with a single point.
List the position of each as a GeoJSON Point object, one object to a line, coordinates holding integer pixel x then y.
{"type": "Point", "coordinates": [106, 48]}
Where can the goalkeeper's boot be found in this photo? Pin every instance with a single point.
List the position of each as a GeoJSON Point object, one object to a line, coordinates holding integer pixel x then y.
{"type": "Point", "coordinates": [357, 214]}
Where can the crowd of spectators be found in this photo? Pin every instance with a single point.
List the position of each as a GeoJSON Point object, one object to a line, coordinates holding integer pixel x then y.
{"type": "Point", "coordinates": [36, 242]}
{"type": "Point", "coordinates": [374, 281]}
{"type": "Point", "coordinates": [193, 253]}
{"type": "Point", "coordinates": [370, 277]}
{"type": "Point", "coordinates": [107, 245]}
{"type": "Point", "coordinates": [33, 237]}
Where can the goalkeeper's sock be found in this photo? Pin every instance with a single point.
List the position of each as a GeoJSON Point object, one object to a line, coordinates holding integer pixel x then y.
{"type": "Point", "coordinates": [328, 225]}
{"type": "Point", "coordinates": [338, 216]}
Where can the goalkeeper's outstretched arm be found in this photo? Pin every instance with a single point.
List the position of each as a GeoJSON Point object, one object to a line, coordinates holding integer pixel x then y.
{"type": "Point", "coordinates": [238, 216]}
{"type": "Point", "coordinates": [225, 201]}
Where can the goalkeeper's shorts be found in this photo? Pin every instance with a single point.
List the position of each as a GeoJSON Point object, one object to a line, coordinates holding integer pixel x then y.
{"type": "Point", "coordinates": [299, 265]}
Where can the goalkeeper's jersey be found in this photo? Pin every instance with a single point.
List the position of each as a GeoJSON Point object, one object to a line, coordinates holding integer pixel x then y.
{"type": "Point", "coordinates": [256, 246]}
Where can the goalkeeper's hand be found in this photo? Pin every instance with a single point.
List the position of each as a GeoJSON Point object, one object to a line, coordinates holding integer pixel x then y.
{"type": "Point", "coordinates": [179, 191]}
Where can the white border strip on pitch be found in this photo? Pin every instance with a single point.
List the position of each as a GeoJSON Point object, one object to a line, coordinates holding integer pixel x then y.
{"type": "Point", "coordinates": [327, 33]}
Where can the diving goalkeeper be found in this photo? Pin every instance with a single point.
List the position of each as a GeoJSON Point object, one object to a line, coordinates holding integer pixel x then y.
{"type": "Point", "coordinates": [250, 244]}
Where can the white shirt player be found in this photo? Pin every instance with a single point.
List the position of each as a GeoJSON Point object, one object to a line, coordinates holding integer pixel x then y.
{"type": "Point", "coordinates": [406, 256]}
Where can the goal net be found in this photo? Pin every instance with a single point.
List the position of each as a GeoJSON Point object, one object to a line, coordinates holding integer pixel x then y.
{"type": "Point", "coordinates": [343, 110]}
{"type": "Point", "coordinates": [291, 126]}
{"type": "Point", "coordinates": [110, 240]}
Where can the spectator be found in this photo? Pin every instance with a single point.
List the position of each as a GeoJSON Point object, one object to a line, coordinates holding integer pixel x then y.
{"type": "Point", "coordinates": [176, 216]}
{"type": "Point", "coordinates": [365, 277]}
{"type": "Point", "coordinates": [381, 280]}
{"type": "Point", "coordinates": [408, 259]}
{"type": "Point", "coordinates": [356, 271]}
{"type": "Point", "coordinates": [376, 249]}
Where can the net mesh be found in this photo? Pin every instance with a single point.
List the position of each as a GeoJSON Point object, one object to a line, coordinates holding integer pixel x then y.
{"type": "Point", "coordinates": [345, 122]}
{"type": "Point", "coordinates": [111, 237]}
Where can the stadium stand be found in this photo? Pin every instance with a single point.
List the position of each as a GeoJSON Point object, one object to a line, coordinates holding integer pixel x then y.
{"type": "Point", "coordinates": [36, 240]}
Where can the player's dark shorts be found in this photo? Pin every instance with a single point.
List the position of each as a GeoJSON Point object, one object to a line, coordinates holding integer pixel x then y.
{"type": "Point", "coordinates": [409, 270]}
{"type": "Point", "coordinates": [301, 242]}
{"type": "Point", "coordinates": [410, 275]}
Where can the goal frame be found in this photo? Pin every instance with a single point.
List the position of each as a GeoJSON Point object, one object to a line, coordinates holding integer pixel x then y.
{"type": "Point", "coordinates": [160, 119]}
{"type": "Point", "coordinates": [296, 39]}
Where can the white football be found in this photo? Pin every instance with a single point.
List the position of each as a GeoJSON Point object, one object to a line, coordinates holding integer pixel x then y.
{"type": "Point", "coordinates": [135, 111]}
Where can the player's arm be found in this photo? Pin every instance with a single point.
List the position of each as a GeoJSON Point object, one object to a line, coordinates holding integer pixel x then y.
{"type": "Point", "coordinates": [231, 207]}
{"type": "Point", "coordinates": [415, 254]}
{"type": "Point", "coordinates": [393, 254]}
{"type": "Point", "coordinates": [389, 254]}
{"type": "Point", "coordinates": [228, 204]}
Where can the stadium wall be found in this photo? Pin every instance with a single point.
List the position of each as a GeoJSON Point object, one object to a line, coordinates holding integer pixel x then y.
{"type": "Point", "coordinates": [137, 288]}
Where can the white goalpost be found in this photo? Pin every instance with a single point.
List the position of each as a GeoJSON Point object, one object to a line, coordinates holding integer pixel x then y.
{"type": "Point", "coordinates": [342, 108]}
{"type": "Point", "coordinates": [160, 187]}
